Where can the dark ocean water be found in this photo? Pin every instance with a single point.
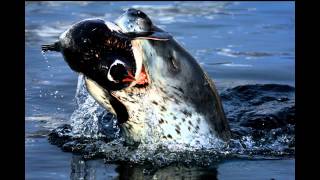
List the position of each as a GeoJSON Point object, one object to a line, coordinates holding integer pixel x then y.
{"type": "Point", "coordinates": [237, 44]}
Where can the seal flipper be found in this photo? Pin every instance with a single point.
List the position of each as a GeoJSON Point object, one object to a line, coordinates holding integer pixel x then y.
{"type": "Point", "coordinates": [51, 47]}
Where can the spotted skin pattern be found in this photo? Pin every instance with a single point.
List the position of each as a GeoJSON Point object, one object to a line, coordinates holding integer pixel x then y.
{"type": "Point", "coordinates": [155, 117]}
{"type": "Point", "coordinates": [180, 104]}
{"type": "Point", "coordinates": [157, 112]}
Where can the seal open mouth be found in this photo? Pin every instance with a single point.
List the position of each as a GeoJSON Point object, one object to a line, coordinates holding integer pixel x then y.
{"type": "Point", "coordinates": [134, 76]}
{"type": "Point", "coordinates": [142, 79]}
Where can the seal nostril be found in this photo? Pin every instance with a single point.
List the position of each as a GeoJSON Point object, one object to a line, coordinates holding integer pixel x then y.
{"type": "Point", "coordinates": [131, 11]}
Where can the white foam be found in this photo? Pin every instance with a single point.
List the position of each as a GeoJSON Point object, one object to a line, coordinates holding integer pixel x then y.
{"type": "Point", "coordinates": [47, 31]}
{"type": "Point", "coordinates": [162, 7]}
{"type": "Point", "coordinates": [38, 118]}
{"type": "Point", "coordinates": [226, 52]}
{"type": "Point", "coordinates": [167, 20]}
{"type": "Point", "coordinates": [237, 65]}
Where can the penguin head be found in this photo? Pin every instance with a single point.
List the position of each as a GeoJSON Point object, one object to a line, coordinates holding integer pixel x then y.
{"type": "Point", "coordinates": [100, 51]}
{"type": "Point", "coordinates": [120, 72]}
{"type": "Point", "coordinates": [112, 72]}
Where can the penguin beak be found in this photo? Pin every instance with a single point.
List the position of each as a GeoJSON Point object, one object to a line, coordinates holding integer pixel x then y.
{"type": "Point", "coordinates": [128, 78]}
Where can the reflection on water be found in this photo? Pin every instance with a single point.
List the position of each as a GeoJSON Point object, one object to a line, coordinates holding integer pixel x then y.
{"type": "Point", "coordinates": [169, 172]}
{"type": "Point", "coordinates": [229, 170]}
{"type": "Point", "coordinates": [48, 162]}
{"type": "Point", "coordinates": [81, 169]}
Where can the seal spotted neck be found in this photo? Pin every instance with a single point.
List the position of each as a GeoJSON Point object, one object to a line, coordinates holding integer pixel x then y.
{"type": "Point", "coordinates": [161, 94]}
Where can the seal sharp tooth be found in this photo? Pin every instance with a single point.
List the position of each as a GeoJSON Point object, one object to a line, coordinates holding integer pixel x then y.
{"type": "Point", "coordinates": [137, 53]}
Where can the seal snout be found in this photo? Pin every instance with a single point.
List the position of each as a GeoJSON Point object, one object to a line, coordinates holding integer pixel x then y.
{"type": "Point", "coordinates": [137, 13]}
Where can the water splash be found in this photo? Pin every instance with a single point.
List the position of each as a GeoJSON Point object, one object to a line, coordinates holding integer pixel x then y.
{"type": "Point", "coordinates": [262, 126]}
{"type": "Point", "coordinates": [90, 120]}
{"type": "Point", "coordinates": [44, 54]}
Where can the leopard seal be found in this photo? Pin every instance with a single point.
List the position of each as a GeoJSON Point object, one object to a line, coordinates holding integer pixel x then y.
{"type": "Point", "coordinates": [163, 95]}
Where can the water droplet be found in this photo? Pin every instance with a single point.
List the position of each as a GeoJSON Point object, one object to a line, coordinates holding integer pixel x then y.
{"type": "Point", "coordinates": [44, 55]}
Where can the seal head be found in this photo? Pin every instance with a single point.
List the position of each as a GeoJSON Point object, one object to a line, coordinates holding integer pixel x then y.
{"type": "Point", "coordinates": [157, 90]}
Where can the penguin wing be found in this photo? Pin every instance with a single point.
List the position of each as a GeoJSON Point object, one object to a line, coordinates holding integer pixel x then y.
{"type": "Point", "coordinates": [99, 94]}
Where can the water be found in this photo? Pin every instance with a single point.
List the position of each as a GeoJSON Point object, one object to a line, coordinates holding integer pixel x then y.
{"type": "Point", "coordinates": [237, 44]}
